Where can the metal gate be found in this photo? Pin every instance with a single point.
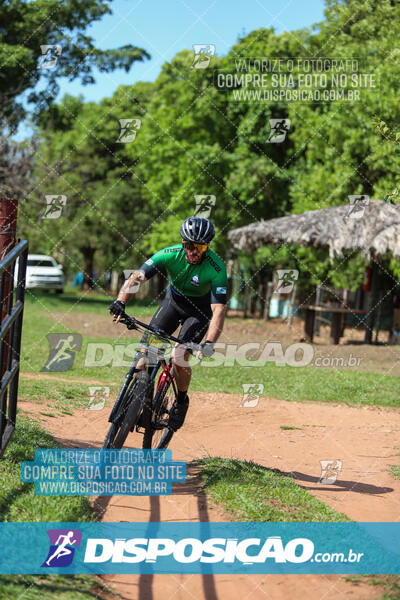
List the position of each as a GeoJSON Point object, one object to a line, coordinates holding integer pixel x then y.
{"type": "Point", "coordinates": [12, 305]}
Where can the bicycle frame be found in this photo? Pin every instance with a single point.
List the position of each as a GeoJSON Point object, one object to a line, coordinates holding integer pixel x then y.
{"type": "Point", "coordinates": [152, 369]}
{"type": "Point", "coordinates": [166, 374]}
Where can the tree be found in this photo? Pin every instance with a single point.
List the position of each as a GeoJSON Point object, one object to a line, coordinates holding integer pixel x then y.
{"type": "Point", "coordinates": [338, 148]}
{"type": "Point", "coordinates": [26, 26]}
{"type": "Point", "coordinates": [80, 156]}
{"type": "Point", "coordinates": [16, 166]}
{"type": "Point", "coordinates": [182, 148]}
{"type": "Point", "coordinates": [197, 141]}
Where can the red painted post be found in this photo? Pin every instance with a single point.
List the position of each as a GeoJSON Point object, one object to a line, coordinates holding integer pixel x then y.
{"type": "Point", "coordinates": [8, 228]}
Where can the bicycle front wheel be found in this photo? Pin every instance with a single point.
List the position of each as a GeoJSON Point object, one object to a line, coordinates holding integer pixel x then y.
{"type": "Point", "coordinates": [156, 433]}
{"type": "Point", "coordinates": [108, 443]}
{"type": "Point", "coordinates": [135, 399]}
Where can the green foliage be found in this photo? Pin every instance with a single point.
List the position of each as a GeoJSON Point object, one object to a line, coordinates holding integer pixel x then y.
{"type": "Point", "coordinates": [81, 158]}
{"type": "Point", "coordinates": [28, 25]}
{"type": "Point", "coordinates": [128, 200]}
{"type": "Point", "coordinates": [252, 492]}
{"type": "Point", "coordinates": [390, 584]}
{"type": "Point", "coordinates": [47, 587]}
{"type": "Point", "coordinates": [311, 383]}
{"type": "Point", "coordinates": [396, 471]}
{"type": "Point", "coordinates": [296, 384]}
{"type": "Point", "coordinates": [341, 152]}
{"type": "Point", "coordinates": [393, 139]}
{"type": "Point", "coordinates": [18, 501]}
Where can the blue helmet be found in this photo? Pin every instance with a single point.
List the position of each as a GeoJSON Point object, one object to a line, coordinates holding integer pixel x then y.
{"type": "Point", "coordinates": [198, 230]}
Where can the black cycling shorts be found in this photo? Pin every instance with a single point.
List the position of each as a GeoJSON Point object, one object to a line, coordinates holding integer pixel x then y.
{"type": "Point", "coordinates": [194, 316]}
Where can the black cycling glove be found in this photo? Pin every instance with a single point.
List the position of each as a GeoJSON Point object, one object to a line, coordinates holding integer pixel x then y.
{"type": "Point", "coordinates": [207, 349]}
{"type": "Point", "coordinates": [117, 307]}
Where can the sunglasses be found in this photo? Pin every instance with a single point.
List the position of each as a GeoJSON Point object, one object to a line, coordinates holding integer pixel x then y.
{"type": "Point", "coordinates": [193, 246]}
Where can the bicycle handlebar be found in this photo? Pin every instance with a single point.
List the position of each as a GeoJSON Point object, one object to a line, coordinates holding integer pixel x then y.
{"type": "Point", "coordinates": [132, 322]}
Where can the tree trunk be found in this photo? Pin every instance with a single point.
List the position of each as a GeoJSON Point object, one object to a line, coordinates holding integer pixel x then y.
{"type": "Point", "coordinates": [262, 291]}
{"type": "Point", "coordinates": [371, 303]}
{"type": "Point", "coordinates": [88, 254]}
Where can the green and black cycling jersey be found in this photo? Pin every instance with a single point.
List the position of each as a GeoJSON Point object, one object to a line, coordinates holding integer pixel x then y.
{"type": "Point", "coordinates": [205, 282]}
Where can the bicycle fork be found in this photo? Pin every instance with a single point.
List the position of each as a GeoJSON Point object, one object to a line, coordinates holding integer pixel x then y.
{"type": "Point", "coordinates": [128, 378]}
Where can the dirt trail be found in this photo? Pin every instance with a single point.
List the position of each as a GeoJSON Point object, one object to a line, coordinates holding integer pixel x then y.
{"type": "Point", "coordinates": [365, 440]}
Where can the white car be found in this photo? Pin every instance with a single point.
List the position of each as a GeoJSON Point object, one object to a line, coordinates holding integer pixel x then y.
{"type": "Point", "coordinates": [43, 272]}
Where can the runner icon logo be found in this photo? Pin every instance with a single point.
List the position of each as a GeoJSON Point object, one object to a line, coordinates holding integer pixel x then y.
{"type": "Point", "coordinates": [98, 397]}
{"type": "Point", "coordinates": [286, 280]}
{"type": "Point", "coordinates": [279, 130]}
{"type": "Point", "coordinates": [50, 54]}
{"type": "Point", "coordinates": [202, 55]}
{"type": "Point", "coordinates": [330, 470]}
{"type": "Point", "coordinates": [251, 394]}
{"type": "Point", "coordinates": [62, 351]}
{"type": "Point", "coordinates": [204, 205]}
{"type": "Point", "coordinates": [129, 129]}
{"type": "Point", "coordinates": [357, 206]}
{"type": "Point", "coordinates": [54, 207]}
{"type": "Point", "coordinates": [61, 551]}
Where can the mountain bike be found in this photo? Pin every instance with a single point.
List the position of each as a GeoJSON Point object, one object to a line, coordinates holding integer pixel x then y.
{"type": "Point", "coordinates": [137, 406]}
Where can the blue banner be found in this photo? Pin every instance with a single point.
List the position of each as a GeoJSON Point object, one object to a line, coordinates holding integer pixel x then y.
{"type": "Point", "coordinates": [226, 548]}
{"type": "Point", "coordinates": [103, 472]}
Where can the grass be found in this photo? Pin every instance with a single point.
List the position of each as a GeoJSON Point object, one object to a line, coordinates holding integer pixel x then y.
{"type": "Point", "coordinates": [84, 302]}
{"type": "Point", "coordinates": [353, 388]}
{"type": "Point", "coordinates": [18, 502]}
{"type": "Point", "coordinates": [390, 583]}
{"type": "Point", "coordinates": [289, 427]}
{"type": "Point", "coordinates": [48, 587]}
{"type": "Point", "coordinates": [395, 471]}
{"type": "Point", "coordinates": [58, 396]}
{"type": "Point", "coordinates": [283, 382]}
{"type": "Point", "coordinates": [251, 492]}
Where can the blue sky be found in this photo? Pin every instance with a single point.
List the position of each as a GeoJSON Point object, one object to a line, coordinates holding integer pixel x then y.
{"type": "Point", "coordinates": [164, 27]}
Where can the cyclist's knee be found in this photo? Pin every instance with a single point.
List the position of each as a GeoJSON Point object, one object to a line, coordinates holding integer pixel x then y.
{"type": "Point", "coordinates": [142, 362]}
{"type": "Point", "coordinates": [180, 357]}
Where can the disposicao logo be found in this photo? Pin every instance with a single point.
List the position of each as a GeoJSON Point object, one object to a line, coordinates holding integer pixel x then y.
{"type": "Point", "coordinates": [62, 542]}
{"type": "Point", "coordinates": [190, 550]}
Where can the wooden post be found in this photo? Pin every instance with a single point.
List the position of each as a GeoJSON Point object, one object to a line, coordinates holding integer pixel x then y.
{"type": "Point", "coordinates": [8, 227]}
{"type": "Point", "coordinates": [291, 306]}
{"type": "Point", "coordinates": [309, 324]}
{"type": "Point", "coordinates": [379, 315]}
{"type": "Point", "coordinates": [270, 290]}
{"type": "Point", "coordinates": [246, 300]}
{"type": "Point", "coordinates": [318, 302]}
{"type": "Point", "coordinates": [336, 327]}
{"type": "Point", "coordinates": [371, 305]}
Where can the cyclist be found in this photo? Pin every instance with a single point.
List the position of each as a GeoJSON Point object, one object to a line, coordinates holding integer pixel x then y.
{"type": "Point", "coordinates": [196, 298]}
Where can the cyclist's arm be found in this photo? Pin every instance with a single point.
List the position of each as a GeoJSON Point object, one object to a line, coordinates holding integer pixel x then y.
{"type": "Point", "coordinates": [131, 286]}
{"type": "Point", "coordinates": [217, 322]}
{"type": "Point", "coordinates": [145, 272]}
{"type": "Point", "coordinates": [218, 305]}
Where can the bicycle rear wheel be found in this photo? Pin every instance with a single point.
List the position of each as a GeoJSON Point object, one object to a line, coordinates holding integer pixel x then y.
{"type": "Point", "coordinates": [135, 397]}
{"type": "Point", "coordinates": [156, 433]}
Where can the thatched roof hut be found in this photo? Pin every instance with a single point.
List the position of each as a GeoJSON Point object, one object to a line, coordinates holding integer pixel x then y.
{"type": "Point", "coordinates": [368, 226]}
{"type": "Point", "coordinates": [372, 227]}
